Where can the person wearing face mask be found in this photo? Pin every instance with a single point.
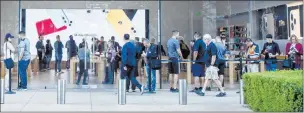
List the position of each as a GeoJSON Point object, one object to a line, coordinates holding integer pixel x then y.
{"type": "Point", "coordinates": [294, 50]}
{"type": "Point", "coordinates": [48, 53]}
{"type": "Point", "coordinates": [198, 67]}
{"type": "Point", "coordinates": [58, 55]}
{"type": "Point", "coordinates": [252, 54]}
{"type": "Point", "coordinates": [270, 51]}
{"type": "Point", "coordinates": [9, 50]}
{"type": "Point", "coordinates": [24, 59]}
{"type": "Point", "coordinates": [40, 52]}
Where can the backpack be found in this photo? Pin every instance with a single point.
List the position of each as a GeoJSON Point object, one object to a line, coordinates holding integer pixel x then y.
{"type": "Point", "coordinates": [201, 51]}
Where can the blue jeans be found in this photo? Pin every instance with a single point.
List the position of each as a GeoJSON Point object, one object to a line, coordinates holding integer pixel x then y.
{"type": "Point", "coordinates": [22, 67]}
{"type": "Point", "coordinates": [271, 67]}
{"type": "Point", "coordinates": [129, 74]}
{"type": "Point", "coordinates": [83, 71]}
{"type": "Point", "coordinates": [153, 78]}
{"type": "Point", "coordinates": [48, 60]}
{"type": "Point", "coordinates": [110, 76]}
{"type": "Point", "coordinates": [58, 59]}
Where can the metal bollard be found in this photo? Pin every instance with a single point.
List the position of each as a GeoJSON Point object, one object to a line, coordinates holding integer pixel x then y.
{"type": "Point", "coordinates": [242, 99]}
{"type": "Point", "coordinates": [182, 91]}
{"type": "Point", "coordinates": [2, 91]}
{"type": "Point", "coordinates": [61, 91]}
{"type": "Point", "coordinates": [122, 92]}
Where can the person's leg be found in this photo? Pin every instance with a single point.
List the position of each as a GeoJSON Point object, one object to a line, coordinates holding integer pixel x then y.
{"type": "Point", "coordinates": [219, 85]}
{"type": "Point", "coordinates": [202, 93]}
{"type": "Point", "coordinates": [153, 81]}
{"type": "Point", "coordinates": [6, 78]}
{"type": "Point", "coordinates": [148, 86]}
{"type": "Point", "coordinates": [128, 83]}
{"type": "Point", "coordinates": [255, 68]}
{"type": "Point", "coordinates": [59, 63]}
{"type": "Point", "coordinates": [111, 74]}
{"type": "Point", "coordinates": [176, 72]}
{"type": "Point", "coordinates": [40, 61]}
{"type": "Point", "coordinates": [196, 84]}
{"type": "Point", "coordinates": [85, 76]}
{"type": "Point", "coordinates": [273, 67]}
{"type": "Point", "coordinates": [81, 66]}
{"type": "Point", "coordinates": [268, 67]}
{"type": "Point", "coordinates": [23, 75]}
{"type": "Point", "coordinates": [56, 63]}
{"type": "Point", "coordinates": [297, 66]}
{"type": "Point", "coordinates": [201, 82]}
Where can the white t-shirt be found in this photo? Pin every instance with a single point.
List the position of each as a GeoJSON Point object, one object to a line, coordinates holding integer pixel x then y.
{"type": "Point", "coordinates": [8, 50]}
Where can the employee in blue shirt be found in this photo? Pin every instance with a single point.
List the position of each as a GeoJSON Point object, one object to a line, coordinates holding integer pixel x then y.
{"type": "Point", "coordinates": [24, 59]}
{"type": "Point", "coordinates": [128, 62]}
{"type": "Point", "coordinates": [84, 63]}
{"type": "Point", "coordinates": [58, 55]}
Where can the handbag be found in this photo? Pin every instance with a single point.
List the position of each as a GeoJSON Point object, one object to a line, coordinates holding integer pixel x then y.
{"type": "Point", "coordinates": [9, 63]}
{"type": "Point", "coordinates": [156, 64]}
{"type": "Point", "coordinates": [286, 63]}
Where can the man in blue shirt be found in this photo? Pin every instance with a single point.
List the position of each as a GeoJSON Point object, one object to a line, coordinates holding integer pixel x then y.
{"type": "Point", "coordinates": [84, 63]}
{"type": "Point", "coordinates": [24, 60]}
{"type": "Point", "coordinates": [40, 52]}
{"type": "Point", "coordinates": [210, 57]}
{"type": "Point", "coordinates": [221, 52]}
{"type": "Point", "coordinates": [270, 52]}
{"type": "Point", "coordinates": [58, 54]}
{"type": "Point", "coordinates": [128, 62]}
{"type": "Point", "coordinates": [174, 54]}
{"type": "Point", "coordinates": [198, 68]}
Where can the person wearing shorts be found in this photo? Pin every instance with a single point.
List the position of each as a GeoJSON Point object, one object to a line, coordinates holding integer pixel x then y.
{"type": "Point", "coordinates": [198, 67]}
{"type": "Point", "coordinates": [210, 57]}
{"type": "Point", "coordinates": [174, 54]}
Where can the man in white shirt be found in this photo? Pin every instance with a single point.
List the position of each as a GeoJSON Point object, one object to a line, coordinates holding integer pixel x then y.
{"type": "Point", "coordinates": [9, 50]}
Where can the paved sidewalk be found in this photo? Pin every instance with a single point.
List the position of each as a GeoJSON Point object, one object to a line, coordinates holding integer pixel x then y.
{"type": "Point", "coordinates": [106, 100]}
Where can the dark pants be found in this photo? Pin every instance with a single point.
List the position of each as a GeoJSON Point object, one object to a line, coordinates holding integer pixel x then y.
{"type": "Point", "coordinates": [135, 75]}
{"type": "Point", "coordinates": [41, 63]}
{"type": "Point", "coordinates": [83, 70]}
{"type": "Point", "coordinates": [22, 67]}
{"type": "Point", "coordinates": [129, 74]}
{"type": "Point", "coordinates": [109, 79]}
{"type": "Point", "coordinates": [49, 57]}
{"type": "Point", "coordinates": [58, 59]}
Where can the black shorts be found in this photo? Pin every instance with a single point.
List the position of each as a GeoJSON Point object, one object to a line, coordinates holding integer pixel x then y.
{"type": "Point", "coordinates": [221, 67]}
{"type": "Point", "coordinates": [173, 66]}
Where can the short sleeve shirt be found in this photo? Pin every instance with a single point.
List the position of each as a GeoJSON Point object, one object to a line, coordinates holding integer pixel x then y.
{"type": "Point", "coordinates": [25, 43]}
{"type": "Point", "coordinates": [172, 46]}
{"type": "Point", "coordinates": [199, 45]}
{"type": "Point", "coordinates": [211, 50]}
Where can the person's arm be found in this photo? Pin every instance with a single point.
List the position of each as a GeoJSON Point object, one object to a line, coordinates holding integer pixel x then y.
{"type": "Point", "coordinates": [22, 47]}
{"type": "Point", "coordinates": [263, 52]}
{"type": "Point", "coordinates": [277, 49]}
{"type": "Point", "coordinates": [178, 49]}
{"type": "Point", "coordinates": [195, 50]}
{"type": "Point", "coordinates": [11, 47]}
{"type": "Point", "coordinates": [299, 48]}
{"type": "Point", "coordinates": [256, 52]}
{"type": "Point", "coordinates": [213, 53]}
{"type": "Point", "coordinates": [287, 48]}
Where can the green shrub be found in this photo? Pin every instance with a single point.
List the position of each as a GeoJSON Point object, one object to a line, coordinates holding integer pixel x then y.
{"type": "Point", "coordinates": [280, 91]}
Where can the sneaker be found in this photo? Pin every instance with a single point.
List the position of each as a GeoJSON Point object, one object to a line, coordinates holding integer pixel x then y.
{"type": "Point", "coordinates": [193, 90]}
{"type": "Point", "coordinates": [238, 92]}
{"type": "Point", "coordinates": [61, 72]}
{"type": "Point", "coordinates": [127, 91]}
{"type": "Point", "coordinates": [133, 91]}
{"type": "Point", "coordinates": [77, 83]}
{"type": "Point", "coordinates": [171, 89]}
{"type": "Point", "coordinates": [221, 94]}
{"type": "Point", "coordinates": [208, 89]}
{"type": "Point", "coordinates": [142, 90]}
{"type": "Point", "coordinates": [200, 93]}
{"type": "Point", "coordinates": [200, 88]}
{"type": "Point", "coordinates": [24, 89]}
{"type": "Point", "coordinates": [175, 90]}
{"type": "Point", "coordinates": [84, 83]}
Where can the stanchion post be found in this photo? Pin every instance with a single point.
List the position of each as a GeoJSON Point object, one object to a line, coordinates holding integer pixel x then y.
{"type": "Point", "coordinates": [183, 92]}
{"type": "Point", "coordinates": [61, 91]}
{"type": "Point", "coordinates": [2, 91]}
{"type": "Point", "coordinates": [10, 83]}
{"type": "Point", "coordinates": [122, 91]}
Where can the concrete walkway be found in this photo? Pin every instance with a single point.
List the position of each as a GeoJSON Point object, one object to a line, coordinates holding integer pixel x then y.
{"type": "Point", "coordinates": [106, 100]}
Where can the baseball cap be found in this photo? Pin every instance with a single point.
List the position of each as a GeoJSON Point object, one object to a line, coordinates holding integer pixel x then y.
{"type": "Point", "coordinates": [268, 36]}
{"type": "Point", "coordinates": [9, 35]}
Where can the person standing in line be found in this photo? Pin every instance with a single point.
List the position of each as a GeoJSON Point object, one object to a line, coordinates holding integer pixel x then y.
{"type": "Point", "coordinates": [270, 52]}
{"type": "Point", "coordinates": [111, 53]}
{"type": "Point", "coordinates": [117, 48]}
{"type": "Point", "coordinates": [48, 53]}
{"type": "Point", "coordinates": [150, 55]}
{"type": "Point", "coordinates": [9, 51]}
{"type": "Point", "coordinates": [198, 68]}
{"type": "Point", "coordinates": [174, 54]}
{"type": "Point", "coordinates": [221, 61]}
{"type": "Point", "coordinates": [102, 46]}
{"type": "Point", "coordinates": [294, 51]}
{"type": "Point", "coordinates": [84, 63]}
{"type": "Point", "coordinates": [71, 50]}
{"type": "Point", "coordinates": [41, 53]}
{"type": "Point", "coordinates": [211, 58]}
{"type": "Point", "coordinates": [24, 60]}
{"type": "Point", "coordinates": [253, 53]}
{"type": "Point", "coordinates": [58, 55]}
{"type": "Point", "coordinates": [128, 62]}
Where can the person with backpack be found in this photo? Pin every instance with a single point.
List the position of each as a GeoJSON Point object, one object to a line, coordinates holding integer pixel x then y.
{"type": "Point", "coordinates": [151, 54]}
{"type": "Point", "coordinates": [48, 53]}
{"type": "Point", "coordinates": [185, 50]}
